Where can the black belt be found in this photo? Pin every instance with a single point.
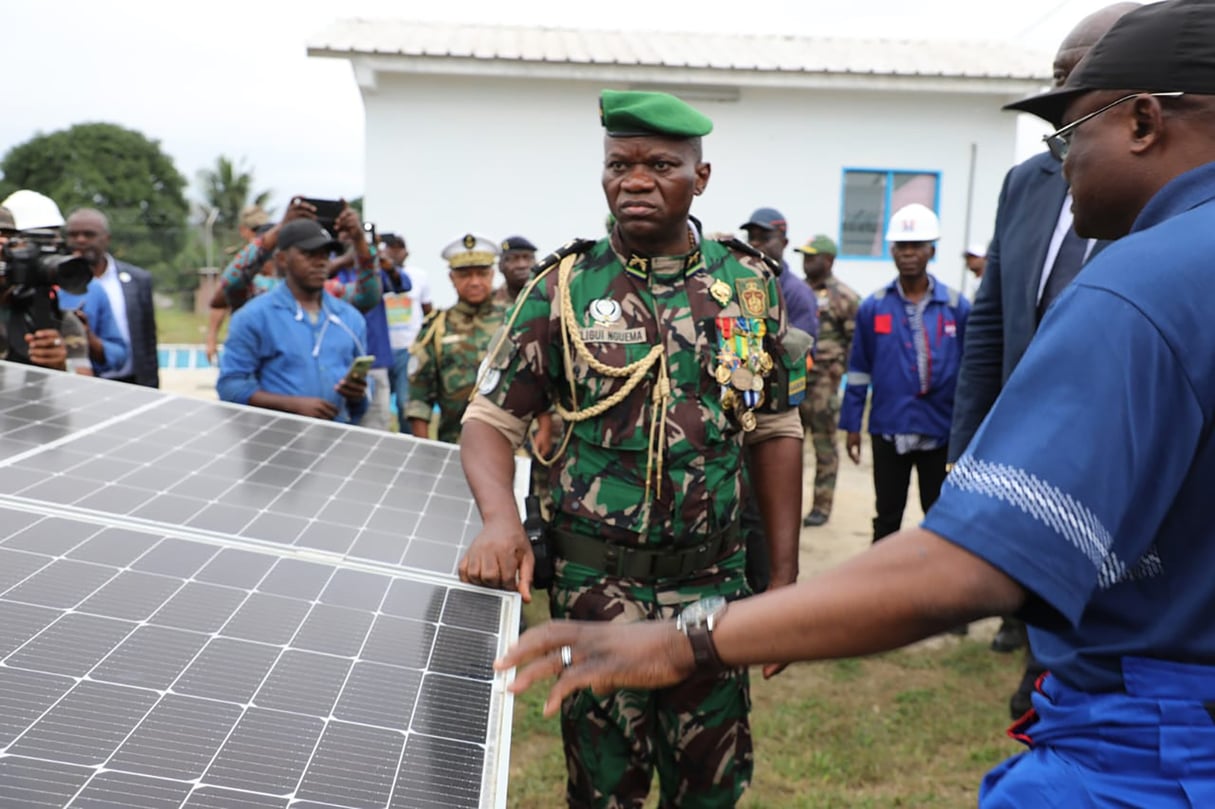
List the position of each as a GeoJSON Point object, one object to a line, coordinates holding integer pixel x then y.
{"type": "Point", "coordinates": [644, 563]}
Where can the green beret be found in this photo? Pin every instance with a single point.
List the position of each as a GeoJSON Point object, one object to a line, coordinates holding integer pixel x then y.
{"type": "Point", "coordinates": [631, 113]}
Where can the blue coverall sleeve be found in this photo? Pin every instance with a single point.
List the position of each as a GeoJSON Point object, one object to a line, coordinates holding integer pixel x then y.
{"type": "Point", "coordinates": [860, 368]}
{"type": "Point", "coordinates": [1070, 476]}
{"type": "Point", "coordinates": [239, 362]}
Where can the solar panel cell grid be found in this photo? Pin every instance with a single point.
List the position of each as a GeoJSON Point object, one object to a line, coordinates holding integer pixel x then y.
{"type": "Point", "coordinates": [164, 644]}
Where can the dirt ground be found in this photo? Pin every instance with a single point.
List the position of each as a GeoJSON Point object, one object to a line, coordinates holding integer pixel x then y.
{"type": "Point", "coordinates": [850, 529]}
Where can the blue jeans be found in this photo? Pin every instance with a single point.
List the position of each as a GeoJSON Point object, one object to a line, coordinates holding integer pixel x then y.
{"type": "Point", "coordinates": [399, 379]}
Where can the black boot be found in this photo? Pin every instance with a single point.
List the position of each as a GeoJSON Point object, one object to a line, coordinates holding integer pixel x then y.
{"type": "Point", "coordinates": [814, 519]}
{"type": "Point", "coordinates": [1010, 637]}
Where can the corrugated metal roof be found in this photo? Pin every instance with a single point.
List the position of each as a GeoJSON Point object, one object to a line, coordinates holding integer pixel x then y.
{"type": "Point", "coordinates": [725, 52]}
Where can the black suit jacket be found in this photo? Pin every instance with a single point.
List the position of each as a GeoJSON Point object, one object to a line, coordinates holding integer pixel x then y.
{"type": "Point", "coordinates": [1004, 317]}
{"type": "Point", "coordinates": [141, 318]}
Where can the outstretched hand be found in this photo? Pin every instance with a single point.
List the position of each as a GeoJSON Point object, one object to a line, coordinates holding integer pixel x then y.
{"type": "Point", "coordinates": [603, 657]}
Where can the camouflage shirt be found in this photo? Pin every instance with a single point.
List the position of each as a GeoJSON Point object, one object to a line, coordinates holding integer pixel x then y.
{"type": "Point", "coordinates": [503, 297]}
{"type": "Point", "coordinates": [837, 305]}
{"type": "Point", "coordinates": [443, 363]}
{"type": "Point", "coordinates": [600, 483]}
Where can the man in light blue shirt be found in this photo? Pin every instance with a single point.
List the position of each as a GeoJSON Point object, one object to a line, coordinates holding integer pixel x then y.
{"type": "Point", "coordinates": [289, 349]}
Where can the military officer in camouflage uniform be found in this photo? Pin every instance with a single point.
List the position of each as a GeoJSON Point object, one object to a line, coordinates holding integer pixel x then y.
{"type": "Point", "coordinates": [663, 352]}
{"type": "Point", "coordinates": [820, 411]}
{"type": "Point", "coordinates": [444, 359]}
{"type": "Point", "coordinates": [518, 256]}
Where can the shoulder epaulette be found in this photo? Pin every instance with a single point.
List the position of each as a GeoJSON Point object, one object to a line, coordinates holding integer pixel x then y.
{"type": "Point", "coordinates": [737, 244]}
{"type": "Point", "coordinates": [432, 324]}
{"type": "Point", "coordinates": [554, 258]}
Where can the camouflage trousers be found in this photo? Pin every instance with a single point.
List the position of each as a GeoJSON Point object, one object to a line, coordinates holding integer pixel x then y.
{"type": "Point", "coordinates": [696, 735]}
{"type": "Point", "coordinates": [820, 414]}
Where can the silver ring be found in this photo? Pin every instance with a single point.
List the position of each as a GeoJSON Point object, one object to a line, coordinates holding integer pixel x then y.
{"type": "Point", "coordinates": [58, 342]}
{"type": "Point", "coordinates": [567, 656]}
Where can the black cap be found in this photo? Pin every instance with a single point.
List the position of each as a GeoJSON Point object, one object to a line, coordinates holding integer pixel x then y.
{"type": "Point", "coordinates": [517, 243]}
{"type": "Point", "coordinates": [1158, 48]}
{"type": "Point", "coordinates": [307, 235]}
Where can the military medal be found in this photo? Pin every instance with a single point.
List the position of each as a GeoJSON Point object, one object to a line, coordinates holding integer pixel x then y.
{"type": "Point", "coordinates": [765, 363]}
{"type": "Point", "coordinates": [720, 291]}
{"type": "Point", "coordinates": [747, 421]}
{"type": "Point", "coordinates": [722, 375]}
{"type": "Point", "coordinates": [742, 378]}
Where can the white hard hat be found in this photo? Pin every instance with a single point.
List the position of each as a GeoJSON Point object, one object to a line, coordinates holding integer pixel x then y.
{"type": "Point", "coordinates": [32, 210]}
{"type": "Point", "coordinates": [977, 249]}
{"type": "Point", "coordinates": [914, 223]}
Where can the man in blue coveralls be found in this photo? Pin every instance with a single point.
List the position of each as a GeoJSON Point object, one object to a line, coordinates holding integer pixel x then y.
{"type": "Point", "coordinates": [1083, 502]}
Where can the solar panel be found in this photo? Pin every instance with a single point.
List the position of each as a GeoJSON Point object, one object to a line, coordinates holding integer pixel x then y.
{"type": "Point", "coordinates": [165, 461]}
{"type": "Point", "coordinates": [141, 669]}
{"type": "Point", "coordinates": [169, 653]}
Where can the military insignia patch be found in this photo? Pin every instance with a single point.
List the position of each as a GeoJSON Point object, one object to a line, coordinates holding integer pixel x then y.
{"type": "Point", "coordinates": [470, 241]}
{"type": "Point", "coordinates": [605, 311]}
{"type": "Point", "coordinates": [720, 291]}
{"type": "Point", "coordinates": [752, 296]}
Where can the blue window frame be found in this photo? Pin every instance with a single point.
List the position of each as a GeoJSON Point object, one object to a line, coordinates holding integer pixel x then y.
{"type": "Point", "coordinates": [870, 196]}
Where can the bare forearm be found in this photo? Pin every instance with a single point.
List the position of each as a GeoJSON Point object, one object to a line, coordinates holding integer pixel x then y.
{"type": "Point", "coordinates": [273, 401]}
{"type": "Point", "coordinates": [905, 588]}
{"type": "Point", "coordinates": [489, 465]}
{"type": "Point", "coordinates": [419, 428]}
{"type": "Point", "coordinates": [776, 471]}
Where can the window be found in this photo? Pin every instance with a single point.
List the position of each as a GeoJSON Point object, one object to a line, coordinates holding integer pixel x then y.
{"type": "Point", "coordinates": [870, 196]}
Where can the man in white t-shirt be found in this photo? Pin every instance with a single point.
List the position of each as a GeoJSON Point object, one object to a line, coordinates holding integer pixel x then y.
{"type": "Point", "coordinates": [406, 304]}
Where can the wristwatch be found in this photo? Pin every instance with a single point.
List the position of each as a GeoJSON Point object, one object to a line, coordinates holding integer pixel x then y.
{"type": "Point", "coordinates": [697, 621]}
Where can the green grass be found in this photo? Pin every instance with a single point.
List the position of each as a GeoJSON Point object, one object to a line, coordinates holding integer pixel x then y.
{"type": "Point", "coordinates": [181, 326]}
{"type": "Point", "coordinates": [906, 729]}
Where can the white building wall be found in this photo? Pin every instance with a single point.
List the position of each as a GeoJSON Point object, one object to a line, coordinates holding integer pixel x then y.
{"type": "Point", "coordinates": [449, 155]}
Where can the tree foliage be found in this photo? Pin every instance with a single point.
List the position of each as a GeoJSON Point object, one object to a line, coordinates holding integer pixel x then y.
{"type": "Point", "coordinates": [120, 172]}
{"type": "Point", "coordinates": [226, 189]}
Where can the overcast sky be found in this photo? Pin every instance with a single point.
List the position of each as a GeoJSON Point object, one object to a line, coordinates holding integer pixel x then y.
{"type": "Point", "coordinates": [233, 78]}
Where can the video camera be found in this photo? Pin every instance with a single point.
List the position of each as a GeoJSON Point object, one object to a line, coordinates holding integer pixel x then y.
{"type": "Point", "coordinates": [31, 271]}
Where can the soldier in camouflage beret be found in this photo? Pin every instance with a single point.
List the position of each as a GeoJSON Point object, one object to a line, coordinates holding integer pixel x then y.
{"type": "Point", "coordinates": [443, 360]}
{"type": "Point", "coordinates": [664, 353]}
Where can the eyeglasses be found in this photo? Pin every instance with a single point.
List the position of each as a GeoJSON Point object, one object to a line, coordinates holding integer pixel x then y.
{"type": "Point", "coordinates": [1060, 140]}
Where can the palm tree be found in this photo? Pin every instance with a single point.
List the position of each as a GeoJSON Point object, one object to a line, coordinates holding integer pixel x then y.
{"type": "Point", "coordinates": [227, 189]}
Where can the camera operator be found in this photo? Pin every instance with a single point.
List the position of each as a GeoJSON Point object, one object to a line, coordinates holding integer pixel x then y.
{"type": "Point", "coordinates": [32, 329]}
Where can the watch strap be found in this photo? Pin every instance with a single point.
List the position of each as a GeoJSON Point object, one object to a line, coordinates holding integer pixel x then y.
{"type": "Point", "coordinates": [704, 650]}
